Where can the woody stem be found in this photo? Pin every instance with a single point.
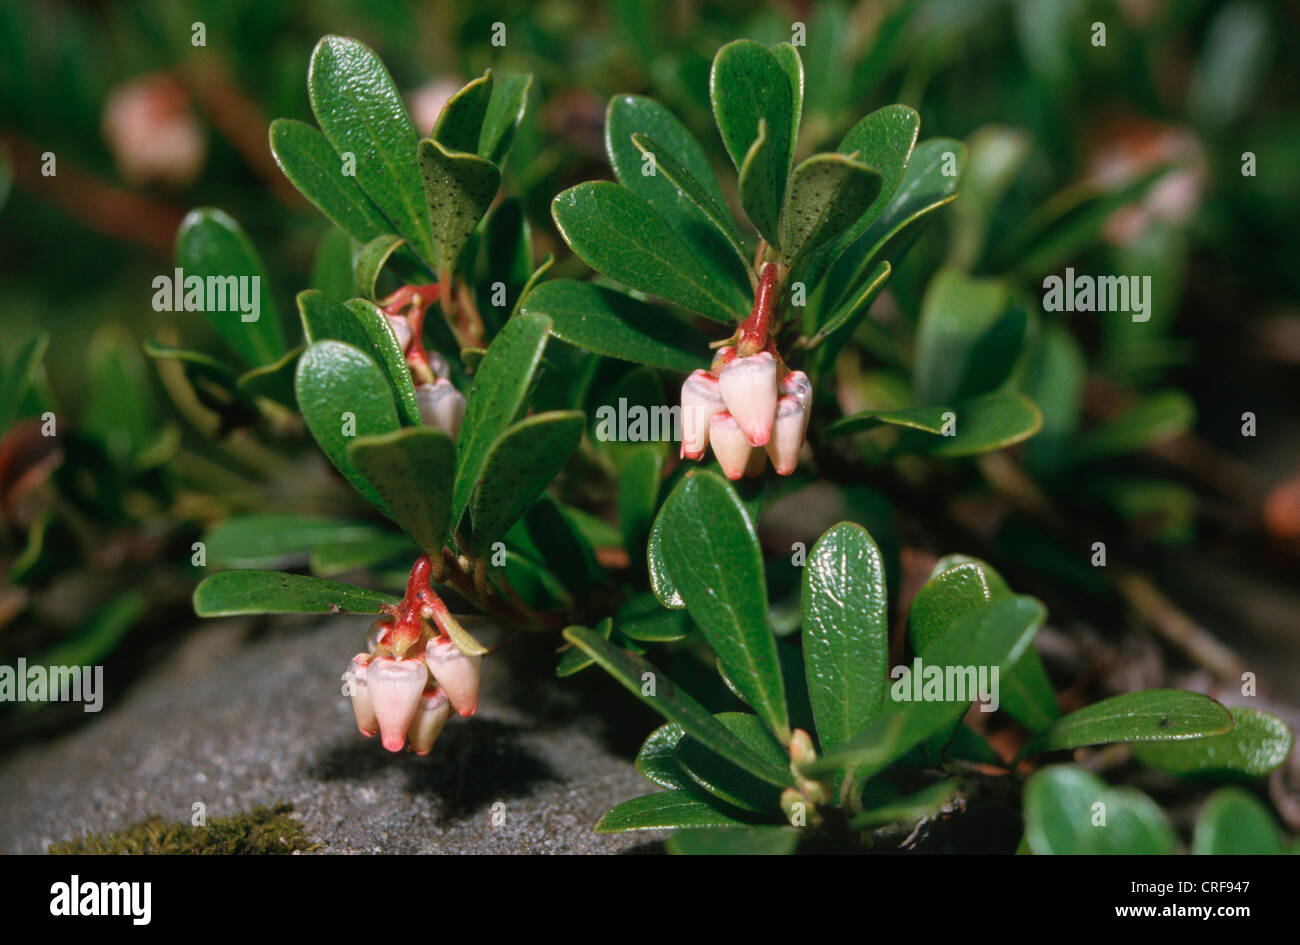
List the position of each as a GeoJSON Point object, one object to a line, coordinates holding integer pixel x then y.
{"type": "Point", "coordinates": [755, 329]}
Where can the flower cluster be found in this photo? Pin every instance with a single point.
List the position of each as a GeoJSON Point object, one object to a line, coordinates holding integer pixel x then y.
{"type": "Point", "coordinates": [441, 404]}
{"type": "Point", "coordinates": [413, 675]}
{"type": "Point", "coordinates": [748, 405]}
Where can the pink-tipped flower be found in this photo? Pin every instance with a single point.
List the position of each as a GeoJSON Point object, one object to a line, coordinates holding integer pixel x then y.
{"type": "Point", "coordinates": [701, 401]}
{"type": "Point", "coordinates": [787, 434]}
{"type": "Point", "coordinates": [441, 406]}
{"type": "Point", "coordinates": [796, 384]}
{"type": "Point", "coordinates": [729, 444]}
{"type": "Point", "coordinates": [401, 328]}
{"type": "Point", "coordinates": [749, 389]}
{"type": "Point", "coordinates": [362, 705]}
{"type": "Point", "coordinates": [395, 687]}
{"type": "Point", "coordinates": [430, 716]}
{"type": "Point", "coordinates": [456, 673]}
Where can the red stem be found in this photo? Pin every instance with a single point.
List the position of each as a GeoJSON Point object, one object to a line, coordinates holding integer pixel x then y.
{"type": "Point", "coordinates": [755, 329]}
{"type": "Point", "coordinates": [415, 299]}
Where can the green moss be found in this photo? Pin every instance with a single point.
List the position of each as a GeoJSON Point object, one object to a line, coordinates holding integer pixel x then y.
{"type": "Point", "coordinates": [263, 830]}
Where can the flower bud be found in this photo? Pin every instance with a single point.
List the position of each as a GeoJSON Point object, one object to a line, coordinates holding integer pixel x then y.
{"type": "Point", "coordinates": [796, 384]}
{"type": "Point", "coordinates": [401, 328]}
{"type": "Point", "coordinates": [749, 390]}
{"type": "Point", "coordinates": [441, 406]}
{"type": "Point", "coordinates": [788, 433]}
{"type": "Point", "coordinates": [152, 132]}
{"type": "Point", "coordinates": [701, 401]}
{"type": "Point", "coordinates": [430, 716]}
{"type": "Point", "coordinates": [455, 672]}
{"type": "Point", "coordinates": [395, 687]}
{"type": "Point", "coordinates": [438, 364]}
{"type": "Point", "coordinates": [362, 706]}
{"type": "Point", "coordinates": [729, 444]}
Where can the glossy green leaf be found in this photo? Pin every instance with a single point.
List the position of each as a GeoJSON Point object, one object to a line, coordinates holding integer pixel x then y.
{"type": "Point", "coordinates": [957, 314]}
{"type": "Point", "coordinates": [276, 540]}
{"type": "Point", "coordinates": [518, 466]}
{"type": "Point", "coordinates": [411, 469]}
{"type": "Point", "coordinates": [1069, 810]}
{"type": "Point", "coordinates": [460, 188]}
{"type": "Point", "coordinates": [231, 593]}
{"type": "Point", "coordinates": [926, 802]}
{"type": "Point", "coordinates": [1152, 715]}
{"type": "Point", "coordinates": [797, 699]}
{"type": "Point", "coordinates": [734, 841]}
{"type": "Point", "coordinates": [657, 691]}
{"type": "Point", "coordinates": [792, 65]}
{"type": "Point", "coordinates": [666, 810]}
{"type": "Point", "coordinates": [273, 381]}
{"type": "Point", "coordinates": [212, 247]}
{"type": "Point", "coordinates": [986, 423]}
{"type": "Point", "coordinates": [371, 260]}
{"type": "Point", "coordinates": [928, 419]}
{"type": "Point", "coordinates": [712, 554]}
{"type": "Point", "coordinates": [724, 780]}
{"type": "Point", "coordinates": [505, 112]}
{"type": "Point", "coordinates": [617, 233]}
{"type": "Point", "coordinates": [845, 633]}
{"type": "Point", "coordinates": [315, 168]}
{"type": "Point", "coordinates": [460, 122]}
{"type": "Point", "coordinates": [644, 619]}
{"type": "Point", "coordinates": [1257, 743]}
{"type": "Point", "coordinates": [330, 558]}
{"type": "Point", "coordinates": [500, 387]}
{"type": "Point", "coordinates": [361, 113]}
{"type": "Point", "coordinates": [749, 88]}
{"type": "Point", "coordinates": [1155, 418]}
{"type": "Point", "coordinates": [638, 497]}
{"type": "Point", "coordinates": [615, 325]}
{"type": "Point", "coordinates": [1232, 823]}
{"type": "Point", "coordinates": [657, 759]}
{"type": "Point", "coordinates": [827, 194]}
{"type": "Point", "coordinates": [996, 634]}
{"type": "Point", "coordinates": [343, 395]}
{"type": "Point", "coordinates": [575, 659]}
{"type": "Point", "coordinates": [561, 545]}
{"type": "Point", "coordinates": [884, 139]}
{"type": "Point", "coordinates": [331, 267]}
{"type": "Point", "coordinates": [661, 583]}
{"type": "Point", "coordinates": [845, 319]}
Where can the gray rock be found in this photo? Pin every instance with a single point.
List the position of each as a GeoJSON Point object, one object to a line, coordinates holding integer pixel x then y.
{"type": "Point", "coordinates": [233, 725]}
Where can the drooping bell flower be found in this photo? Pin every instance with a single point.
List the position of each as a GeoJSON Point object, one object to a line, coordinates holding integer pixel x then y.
{"type": "Point", "coordinates": [430, 716]}
{"type": "Point", "coordinates": [362, 705]}
{"type": "Point", "coordinates": [701, 401]}
{"type": "Point", "coordinates": [456, 672]}
{"type": "Point", "coordinates": [395, 687]}
{"type": "Point", "coordinates": [402, 329]}
{"type": "Point", "coordinates": [729, 445]}
{"type": "Point", "coordinates": [749, 390]}
{"type": "Point", "coordinates": [441, 406]}
{"type": "Point", "coordinates": [791, 424]}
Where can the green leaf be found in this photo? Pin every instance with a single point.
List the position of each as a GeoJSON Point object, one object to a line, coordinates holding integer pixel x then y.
{"type": "Point", "coordinates": [1257, 743]}
{"type": "Point", "coordinates": [788, 56]}
{"type": "Point", "coordinates": [924, 803]}
{"type": "Point", "coordinates": [1152, 715]}
{"type": "Point", "coordinates": [518, 466]}
{"type": "Point", "coordinates": [231, 593]}
{"type": "Point", "coordinates": [615, 325]}
{"type": "Point", "coordinates": [343, 394]}
{"type": "Point", "coordinates": [496, 399]}
{"type": "Point", "coordinates": [686, 189]}
{"type": "Point", "coordinates": [712, 554]}
{"type": "Point", "coordinates": [460, 122]}
{"type": "Point", "coordinates": [666, 810]}
{"type": "Point", "coordinates": [17, 376]}
{"type": "Point", "coordinates": [996, 634]}
{"type": "Point", "coordinates": [371, 260]}
{"type": "Point", "coordinates": [928, 419]}
{"type": "Point", "coordinates": [1062, 816]}
{"type": "Point", "coordinates": [1154, 419]}
{"type": "Point", "coordinates": [657, 759]}
{"type": "Point", "coordinates": [460, 188]}
{"type": "Point", "coordinates": [957, 314]}
{"type": "Point", "coordinates": [884, 139]}
{"type": "Point", "coordinates": [617, 233]}
{"type": "Point", "coordinates": [330, 558]}
{"type": "Point", "coordinates": [1233, 822]}
{"type": "Point", "coordinates": [331, 267]}
{"type": "Point", "coordinates": [212, 247]}
{"type": "Point", "coordinates": [315, 168]}
{"type": "Point", "coordinates": [360, 112]}
{"type": "Point", "coordinates": [734, 841]}
{"type": "Point", "coordinates": [574, 660]}
{"type": "Point", "coordinates": [827, 194]}
{"type": "Point", "coordinates": [638, 497]}
{"type": "Point", "coordinates": [661, 583]}
{"type": "Point", "coordinates": [724, 780]}
{"type": "Point", "coordinates": [657, 691]}
{"type": "Point", "coordinates": [505, 111]}
{"type": "Point", "coordinates": [275, 540]}
{"type": "Point", "coordinates": [840, 326]}
{"type": "Point", "coordinates": [561, 545]}
{"type": "Point", "coordinates": [644, 619]}
{"type": "Point", "coordinates": [752, 99]}
{"type": "Point", "coordinates": [845, 635]}
{"type": "Point", "coordinates": [411, 469]}
{"type": "Point", "coordinates": [360, 324]}
{"type": "Point", "coordinates": [986, 423]}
